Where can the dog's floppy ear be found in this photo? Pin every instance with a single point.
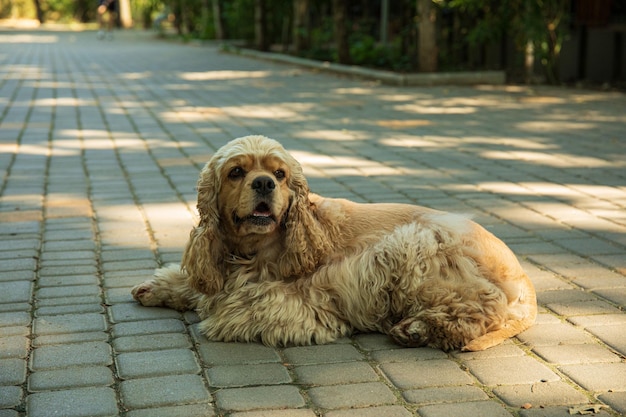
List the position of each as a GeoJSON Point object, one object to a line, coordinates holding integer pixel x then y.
{"type": "Point", "coordinates": [204, 255]}
{"type": "Point", "coordinates": [308, 238]}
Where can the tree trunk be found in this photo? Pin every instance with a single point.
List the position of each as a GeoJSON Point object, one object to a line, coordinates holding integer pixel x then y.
{"type": "Point", "coordinates": [260, 33]}
{"type": "Point", "coordinates": [301, 25]}
{"type": "Point", "coordinates": [340, 14]}
{"type": "Point", "coordinates": [126, 17]}
{"type": "Point", "coordinates": [427, 52]}
{"type": "Point", "coordinates": [218, 20]}
{"type": "Point", "coordinates": [39, 10]}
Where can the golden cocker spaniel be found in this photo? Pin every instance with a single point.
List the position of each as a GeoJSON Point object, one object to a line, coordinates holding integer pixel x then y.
{"type": "Point", "coordinates": [271, 262]}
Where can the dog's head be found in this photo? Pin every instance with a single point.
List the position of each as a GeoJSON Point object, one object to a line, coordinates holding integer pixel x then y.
{"type": "Point", "coordinates": [252, 198]}
{"type": "Point", "coordinates": [256, 180]}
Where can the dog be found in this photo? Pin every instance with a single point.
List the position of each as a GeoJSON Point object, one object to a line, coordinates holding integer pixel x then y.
{"type": "Point", "coordinates": [272, 262]}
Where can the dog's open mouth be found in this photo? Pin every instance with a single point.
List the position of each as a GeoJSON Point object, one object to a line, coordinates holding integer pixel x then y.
{"type": "Point", "coordinates": [261, 216]}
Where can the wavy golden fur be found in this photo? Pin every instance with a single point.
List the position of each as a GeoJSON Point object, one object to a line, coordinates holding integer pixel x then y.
{"type": "Point", "coordinates": [271, 262]}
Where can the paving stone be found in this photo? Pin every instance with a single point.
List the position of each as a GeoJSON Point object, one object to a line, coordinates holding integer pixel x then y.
{"type": "Point", "coordinates": [8, 413]}
{"type": "Point", "coordinates": [14, 318]}
{"type": "Point", "coordinates": [13, 371]}
{"type": "Point", "coordinates": [129, 265]}
{"type": "Point", "coordinates": [504, 350]}
{"type": "Point", "coordinates": [148, 327]}
{"type": "Point", "coordinates": [151, 342]}
{"type": "Point", "coordinates": [72, 354]}
{"type": "Point", "coordinates": [69, 309]}
{"type": "Point", "coordinates": [383, 411]}
{"type": "Point", "coordinates": [540, 394]}
{"type": "Point", "coordinates": [69, 323]}
{"type": "Point", "coordinates": [352, 395]}
{"type": "Point", "coordinates": [65, 280]}
{"type": "Point", "coordinates": [438, 395]}
{"type": "Point", "coordinates": [13, 346]}
{"type": "Point", "coordinates": [218, 353]}
{"type": "Point", "coordinates": [246, 375]}
{"type": "Point", "coordinates": [615, 295]}
{"type": "Point", "coordinates": [407, 375]}
{"type": "Point", "coordinates": [561, 411]}
{"type": "Point", "coordinates": [564, 296]}
{"type": "Point", "coordinates": [57, 339]}
{"type": "Point", "coordinates": [16, 275]}
{"type": "Point", "coordinates": [134, 312]}
{"type": "Point", "coordinates": [375, 341]}
{"type": "Point", "coordinates": [275, 413]}
{"type": "Point", "coordinates": [510, 371]}
{"type": "Point", "coordinates": [68, 255]}
{"type": "Point", "coordinates": [66, 269]}
{"type": "Point", "coordinates": [190, 410]}
{"type": "Point", "coordinates": [15, 307]}
{"type": "Point", "coordinates": [470, 409]}
{"type": "Point", "coordinates": [10, 396]}
{"type": "Point", "coordinates": [73, 377]}
{"type": "Point", "coordinates": [70, 301]}
{"type": "Point", "coordinates": [335, 373]}
{"type": "Point", "coordinates": [617, 401]}
{"type": "Point", "coordinates": [321, 354]}
{"type": "Point", "coordinates": [82, 402]}
{"type": "Point", "coordinates": [242, 399]}
{"type": "Point", "coordinates": [582, 308]}
{"type": "Point", "coordinates": [68, 291]}
{"type": "Point", "coordinates": [598, 320]}
{"type": "Point", "coordinates": [407, 354]}
{"type": "Point", "coordinates": [553, 334]}
{"type": "Point", "coordinates": [575, 354]}
{"type": "Point", "coordinates": [156, 363]}
{"type": "Point", "coordinates": [15, 291]}
{"type": "Point", "coordinates": [598, 376]}
{"type": "Point", "coordinates": [163, 391]}
{"type": "Point", "coordinates": [614, 336]}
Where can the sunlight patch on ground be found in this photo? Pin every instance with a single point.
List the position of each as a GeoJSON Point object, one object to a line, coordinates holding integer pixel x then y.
{"type": "Point", "coordinates": [408, 142]}
{"type": "Point", "coordinates": [292, 111]}
{"type": "Point", "coordinates": [355, 91]}
{"type": "Point", "coordinates": [553, 159]}
{"type": "Point", "coordinates": [193, 114]}
{"type": "Point", "coordinates": [222, 75]}
{"type": "Point", "coordinates": [28, 38]}
{"type": "Point", "coordinates": [62, 101]}
{"type": "Point", "coordinates": [334, 135]}
{"type": "Point", "coordinates": [93, 140]}
{"type": "Point", "coordinates": [553, 126]}
{"type": "Point", "coordinates": [66, 205]}
{"type": "Point", "coordinates": [583, 195]}
{"type": "Point", "coordinates": [35, 150]}
{"type": "Point", "coordinates": [398, 97]}
{"type": "Point", "coordinates": [542, 100]}
{"type": "Point", "coordinates": [136, 75]}
{"type": "Point", "coordinates": [427, 109]}
{"type": "Point", "coordinates": [318, 165]}
{"type": "Point", "coordinates": [24, 72]}
{"type": "Point", "coordinates": [403, 124]}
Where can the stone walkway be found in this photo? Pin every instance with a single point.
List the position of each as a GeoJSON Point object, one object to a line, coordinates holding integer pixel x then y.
{"type": "Point", "coordinates": [100, 146]}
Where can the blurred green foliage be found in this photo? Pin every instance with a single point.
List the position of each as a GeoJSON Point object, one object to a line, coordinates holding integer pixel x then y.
{"type": "Point", "coordinates": [466, 27]}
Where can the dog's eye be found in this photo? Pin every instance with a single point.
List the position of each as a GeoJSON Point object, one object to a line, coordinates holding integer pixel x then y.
{"type": "Point", "coordinates": [236, 173]}
{"type": "Point", "coordinates": [279, 174]}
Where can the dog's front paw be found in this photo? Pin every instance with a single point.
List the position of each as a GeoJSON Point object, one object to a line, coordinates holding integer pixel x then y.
{"type": "Point", "coordinates": [411, 333]}
{"type": "Point", "coordinates": [145, 293]}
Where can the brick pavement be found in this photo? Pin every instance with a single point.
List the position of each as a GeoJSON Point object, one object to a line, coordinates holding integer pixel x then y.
{"type": "Point", "coordinates": [101, 143]}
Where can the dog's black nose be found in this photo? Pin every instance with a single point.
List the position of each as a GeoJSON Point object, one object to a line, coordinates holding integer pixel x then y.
{"type": "Point", "coordinates": [263, 185]}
